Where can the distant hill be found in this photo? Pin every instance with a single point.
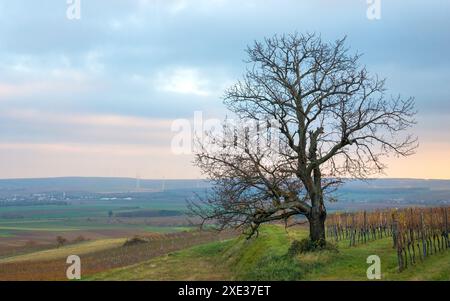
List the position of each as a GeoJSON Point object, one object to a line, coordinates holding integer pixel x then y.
{"type": "Point", "coordinates": [394, 191]}
{"type": "Point", "coordinates": [399, 183]}
{"type": "Point", "coordinates": [380, 193]}
{"type": "Point", "coordinates": [94, 185]}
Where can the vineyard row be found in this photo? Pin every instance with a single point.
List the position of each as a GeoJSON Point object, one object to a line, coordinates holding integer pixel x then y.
{"type": "Point", "coordinates": [416, 232]}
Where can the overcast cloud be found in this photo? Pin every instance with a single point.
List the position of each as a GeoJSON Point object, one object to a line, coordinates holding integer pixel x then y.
{"type": "Point", "coordinates": [70, 90]}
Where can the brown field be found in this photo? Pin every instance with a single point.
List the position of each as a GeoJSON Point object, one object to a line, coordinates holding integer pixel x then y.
{"type": "Point", "coordinates": [25, 241]}
{"type": "Point", "coordinates": [29, 241]}
{"type": "Point", "coordinates": [98, 261]}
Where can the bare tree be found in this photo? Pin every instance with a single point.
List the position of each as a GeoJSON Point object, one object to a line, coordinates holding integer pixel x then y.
{"type": "Point", "coordinates": [334, 122]}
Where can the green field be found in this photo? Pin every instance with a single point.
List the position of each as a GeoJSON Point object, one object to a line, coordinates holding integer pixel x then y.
{"type": "Point", "coordinates": [64, 225]}
{"type": "Point", "coordinates": [88, 209]}
{"type": "Point", "coordinates": [4, 233]}
{"type": "Point", "coordinates": [265, 258]}
{"type": "Point", "coordinates": [89, 215]}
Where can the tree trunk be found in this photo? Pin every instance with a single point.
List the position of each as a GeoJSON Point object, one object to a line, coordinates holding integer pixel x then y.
{"type": "Point", "coordinates": [317, 226]}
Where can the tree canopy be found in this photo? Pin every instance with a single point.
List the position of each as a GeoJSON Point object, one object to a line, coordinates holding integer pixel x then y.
{"type": "Point", "coordinates": [332, 120]}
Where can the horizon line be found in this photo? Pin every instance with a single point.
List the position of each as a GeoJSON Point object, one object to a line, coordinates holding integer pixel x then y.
{"type": "Point", "coordinates": [190, 179]}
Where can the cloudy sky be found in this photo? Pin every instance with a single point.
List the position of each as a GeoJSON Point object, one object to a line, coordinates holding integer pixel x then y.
{"type": "Point", "coordinates": [97, 96]}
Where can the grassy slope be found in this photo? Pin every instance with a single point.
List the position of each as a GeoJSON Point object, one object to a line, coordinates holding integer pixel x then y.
{"type": "Point", "coordinates": [265, 258]}
{"type": "Point", "coordinates": [197, 263]}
